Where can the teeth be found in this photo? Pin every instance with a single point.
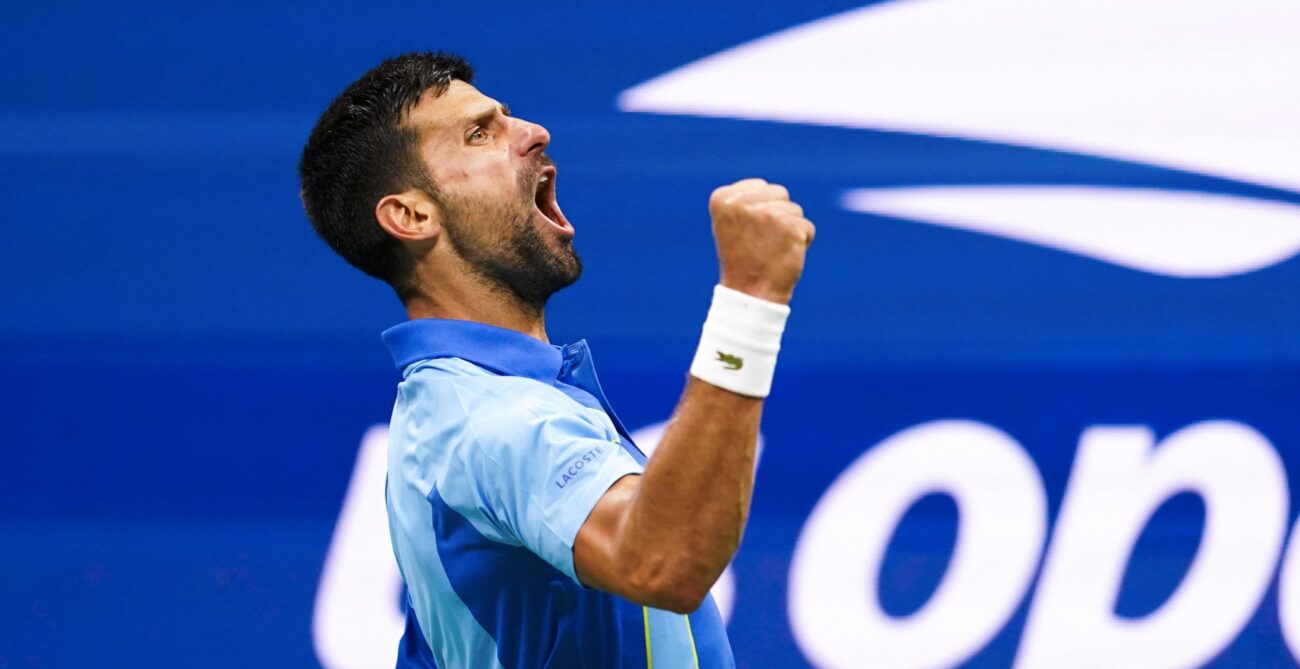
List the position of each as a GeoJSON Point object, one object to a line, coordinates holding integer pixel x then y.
{"type": "Point", "coordinates": [545, 178]}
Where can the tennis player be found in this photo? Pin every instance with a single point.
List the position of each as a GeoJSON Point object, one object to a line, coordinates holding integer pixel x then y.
{"type": "Point", "coordinates": [530, 531]}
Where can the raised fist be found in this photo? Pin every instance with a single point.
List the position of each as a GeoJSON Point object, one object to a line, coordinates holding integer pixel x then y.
{"type": "Point", "coordinates": [762, 237]}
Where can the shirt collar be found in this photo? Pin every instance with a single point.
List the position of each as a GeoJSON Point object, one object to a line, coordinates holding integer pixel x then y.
{"type": "Point", "coordinates": [497, 349]}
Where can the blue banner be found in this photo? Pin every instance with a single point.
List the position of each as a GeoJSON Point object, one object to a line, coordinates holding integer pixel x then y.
{"type": "Point", "coordinates": [1036, 405]}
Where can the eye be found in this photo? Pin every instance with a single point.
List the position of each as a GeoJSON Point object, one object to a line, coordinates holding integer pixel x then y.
{"type": "Point", "coordinates": [477, 136]}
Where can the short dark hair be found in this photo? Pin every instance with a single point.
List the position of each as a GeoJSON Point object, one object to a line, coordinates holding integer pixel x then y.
{"type": "Point", "coordinates": [361, 150]}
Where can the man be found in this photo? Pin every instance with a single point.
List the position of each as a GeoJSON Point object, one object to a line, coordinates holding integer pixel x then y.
{"type": "Point", "coordinates": [530, 530]}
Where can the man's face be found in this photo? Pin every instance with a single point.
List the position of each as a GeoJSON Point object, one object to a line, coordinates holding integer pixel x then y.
{"type": "Point", "coordinates": [496, 192]}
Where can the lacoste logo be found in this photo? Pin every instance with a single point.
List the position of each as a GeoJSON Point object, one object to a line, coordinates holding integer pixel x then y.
{"type": "Point", "coordinates": [731, 362]}
{"type": "Point", "coordinates": [577, 466]}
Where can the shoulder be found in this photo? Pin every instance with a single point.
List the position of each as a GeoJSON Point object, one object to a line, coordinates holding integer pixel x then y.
{"type": "Point", "coordinates": [497, 412]}
{"type": "Point", "coordinates": [478, 389]}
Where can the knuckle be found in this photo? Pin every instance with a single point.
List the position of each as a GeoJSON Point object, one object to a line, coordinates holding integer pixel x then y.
{"type": "Point", "coordinates": [723, 201]}
{"type": "Point", "coordinates": [753, 199]}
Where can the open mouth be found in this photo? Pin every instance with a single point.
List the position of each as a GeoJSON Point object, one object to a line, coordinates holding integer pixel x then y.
{"type": "Point", "coordinates": [547, 205]}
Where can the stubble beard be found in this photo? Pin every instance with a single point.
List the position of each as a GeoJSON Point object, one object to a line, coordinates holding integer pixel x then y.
{"type": "Point", "coordinates": [501, 245]}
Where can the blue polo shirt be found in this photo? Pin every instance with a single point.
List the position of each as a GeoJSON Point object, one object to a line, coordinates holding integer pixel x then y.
{"type": "Point", "coordinates": [500, 446]}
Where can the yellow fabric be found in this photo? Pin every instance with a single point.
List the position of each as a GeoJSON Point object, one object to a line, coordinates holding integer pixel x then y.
{"type": "Point", "coordinates": [694, 653]}
{"type": "Point", "coordinates": [649, 659]}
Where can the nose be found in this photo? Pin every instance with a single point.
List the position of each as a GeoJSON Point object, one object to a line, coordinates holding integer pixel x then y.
{"type": "Point", "coordinates": [530, 138]}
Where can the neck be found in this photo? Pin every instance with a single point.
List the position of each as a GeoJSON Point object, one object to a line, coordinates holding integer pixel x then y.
{"type": "Point", "coordinates": [475, 300]}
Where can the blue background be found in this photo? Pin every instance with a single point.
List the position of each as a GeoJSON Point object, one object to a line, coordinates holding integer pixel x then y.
{"type": "Point", "coordinates": [186, 372]}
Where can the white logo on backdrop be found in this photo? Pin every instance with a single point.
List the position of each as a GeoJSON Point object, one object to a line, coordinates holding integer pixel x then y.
{"type": "Point", "coordinates": [1208, 87]}
{"type": "Point", "coordinates": [357, 620]}
{"type": "Point", "coordinates": [1121, 476]}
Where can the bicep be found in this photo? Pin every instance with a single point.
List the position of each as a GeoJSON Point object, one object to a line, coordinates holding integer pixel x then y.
{"type": "Point", "coordinates": [607, 557]}
{"type": "Point", "coordinates": [595, 547]}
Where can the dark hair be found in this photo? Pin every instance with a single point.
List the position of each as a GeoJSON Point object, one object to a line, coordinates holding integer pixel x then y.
{"type": "Point", "coordinates": [361, 150]}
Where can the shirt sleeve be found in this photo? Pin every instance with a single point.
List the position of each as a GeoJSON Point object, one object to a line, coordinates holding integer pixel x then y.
{"type": "Point", "coordinates": [549, 465]}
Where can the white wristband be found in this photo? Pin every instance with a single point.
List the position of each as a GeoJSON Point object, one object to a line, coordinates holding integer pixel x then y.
{"type": "Point", "coordinates": [738, 347]}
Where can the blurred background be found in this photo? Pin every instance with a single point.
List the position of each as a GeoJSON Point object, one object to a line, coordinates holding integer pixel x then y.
{"type": "Point", "coordinates": [1037, 404]}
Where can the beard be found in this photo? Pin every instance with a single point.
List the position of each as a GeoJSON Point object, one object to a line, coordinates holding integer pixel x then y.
{"type": "Point", "coordinates": [501, 244]}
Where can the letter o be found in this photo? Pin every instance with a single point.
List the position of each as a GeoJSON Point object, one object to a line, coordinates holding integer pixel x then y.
{"type": "Point", "coordinates": [1002, 511]}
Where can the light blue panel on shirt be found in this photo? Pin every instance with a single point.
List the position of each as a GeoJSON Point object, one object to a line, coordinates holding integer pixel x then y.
{"type": "Point", "coordinates": [519, 460]}
{"type": "Point", "coordinates": [523, 462]}
{"type": "Point", "coordinates": [670, 642]}
{"type": "Point", "coordinates": [456, 639]}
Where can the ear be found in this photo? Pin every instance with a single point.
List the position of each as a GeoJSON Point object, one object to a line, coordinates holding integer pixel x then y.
{"type": "Point", "coordinates": [410, 216]}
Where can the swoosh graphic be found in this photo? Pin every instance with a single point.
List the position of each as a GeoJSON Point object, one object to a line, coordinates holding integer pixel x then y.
{"type": "Point", "coordinates": [1188, 84]}
{"type": "Point", "coordinates": [1214, 235]}
{"type": "Point", "coordinates": [1207, 86]}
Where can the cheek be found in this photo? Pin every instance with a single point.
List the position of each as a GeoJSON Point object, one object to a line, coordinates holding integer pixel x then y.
{"type": "Point", "coordinates": [484, 184]}
{"type": "Point", "coordinates": [483, 163]}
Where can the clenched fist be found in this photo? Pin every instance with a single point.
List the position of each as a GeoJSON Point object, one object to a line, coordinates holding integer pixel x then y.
{"type": "Point", "coordinates": [762, 237]}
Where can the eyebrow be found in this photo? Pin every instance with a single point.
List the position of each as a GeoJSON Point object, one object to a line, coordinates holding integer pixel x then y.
{"type": "Point", "coordinates": [487, 114]}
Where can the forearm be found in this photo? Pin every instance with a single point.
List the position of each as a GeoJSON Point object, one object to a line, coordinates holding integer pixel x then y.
{"type": "Point", "coordinates": [686, 520]}
{"type": "Point", "coordinates": [663, 538]}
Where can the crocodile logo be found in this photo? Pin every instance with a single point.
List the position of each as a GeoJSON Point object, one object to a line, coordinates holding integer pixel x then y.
{"type": "Point", "coordinates": [731, 362]}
